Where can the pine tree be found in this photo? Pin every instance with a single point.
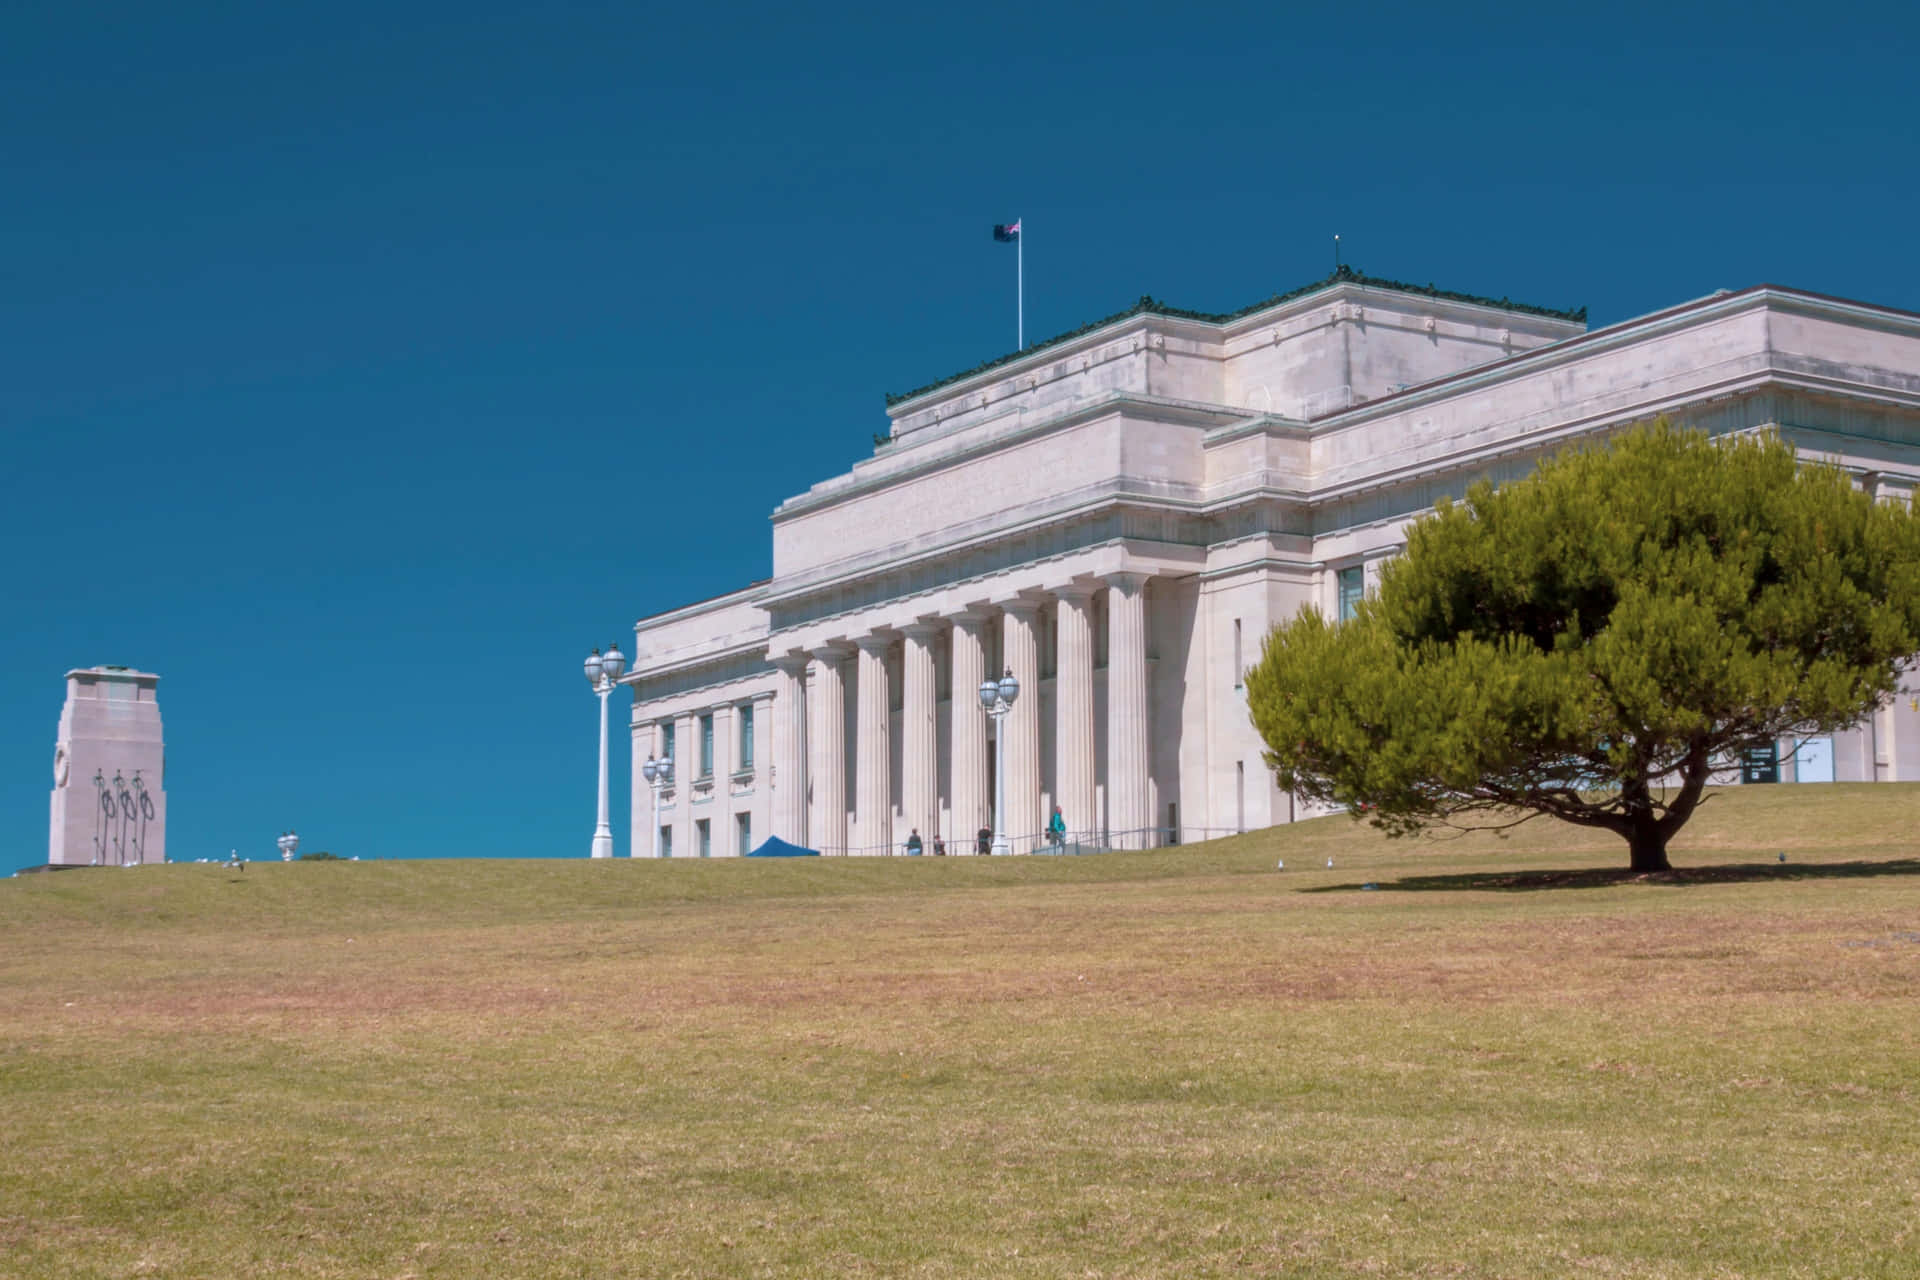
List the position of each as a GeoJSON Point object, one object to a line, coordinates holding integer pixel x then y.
{"type": "Point", "coordinates": [1591, 642]}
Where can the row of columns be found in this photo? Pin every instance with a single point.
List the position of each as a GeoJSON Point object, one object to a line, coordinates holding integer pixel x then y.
{"type": "Point", "coordinates": [811, 752]}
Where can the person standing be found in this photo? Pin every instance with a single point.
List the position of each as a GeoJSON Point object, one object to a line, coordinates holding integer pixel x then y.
{"type": "Point", "coordinates": [913, 843]}
{"type": "Point", "coordinates": [1057, 829]}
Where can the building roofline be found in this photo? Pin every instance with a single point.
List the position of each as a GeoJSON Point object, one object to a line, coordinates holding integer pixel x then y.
{"type": "Point", "coordinates": [1150, 306]}
{"type": "Point", "coordinates": [1556, 350]}
{"type": "Point", "coordinates": [741, 593]}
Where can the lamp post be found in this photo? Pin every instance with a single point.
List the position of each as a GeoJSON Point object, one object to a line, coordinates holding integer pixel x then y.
{"type": "Point", "coordinates": [996, 699]}
{"type": "Point", "coordinates": [658, 773]}
{"type": "Point", "coordinates": [288, 843]}
{"type": "Point", "coordinates": [603, 670]}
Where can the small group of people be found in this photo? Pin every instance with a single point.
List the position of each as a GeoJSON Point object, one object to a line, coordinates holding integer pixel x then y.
{"type": "Point", "coordinates": [983, 839]}
{"type": "Point", "coordinates": [915, 848]}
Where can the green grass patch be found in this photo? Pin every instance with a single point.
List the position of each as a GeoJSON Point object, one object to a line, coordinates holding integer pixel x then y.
{"type": "Point", "coordinates": [1504, 1060]}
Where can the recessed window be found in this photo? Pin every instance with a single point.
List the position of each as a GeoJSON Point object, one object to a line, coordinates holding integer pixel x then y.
{"type": "Point", "coordinates": [666, 842]}
{"type": "Point", "coordinates": [1353, 585]}
{"type": "Point", "coordinates": [743, 838]}
{"type": "Point", "coordinates": [1240, 795]}
{"type": "Point", "coordinates": [706, 745]}
{"type": "Point", "coordinates": [746, 736]}
{"type": "Point", "coordinates": [703, 836]}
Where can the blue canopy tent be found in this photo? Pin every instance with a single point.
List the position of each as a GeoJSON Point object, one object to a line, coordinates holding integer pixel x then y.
{"type": "Point", "coordinates": [775, 847]}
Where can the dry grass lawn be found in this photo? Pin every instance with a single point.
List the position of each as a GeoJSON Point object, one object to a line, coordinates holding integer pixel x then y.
{"type": "Point", "coordinates": [1506, 1060]}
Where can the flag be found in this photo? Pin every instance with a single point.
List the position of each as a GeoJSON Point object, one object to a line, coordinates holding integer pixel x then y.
{"type": "Point", "coordinates": [1007, 234]}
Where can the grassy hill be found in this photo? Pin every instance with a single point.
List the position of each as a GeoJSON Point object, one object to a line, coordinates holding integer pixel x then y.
{"type": "Point", "coordinates": [1506, 1059]}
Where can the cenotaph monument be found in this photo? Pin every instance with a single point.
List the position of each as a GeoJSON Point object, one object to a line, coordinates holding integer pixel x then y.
{"type": "Point", "coordinates": [109, 771]}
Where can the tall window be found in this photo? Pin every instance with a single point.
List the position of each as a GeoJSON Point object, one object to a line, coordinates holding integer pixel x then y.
{"type": "Point", "coordinates": [743, 840]}
{"type": "Point", "coordinates": [1353, 584]}
{"type": "Point", "coordinates": [666, 740]}
{"type": "Point", "coordinates": [666, 842]}
{"type": "Point", "coordinates": [703, 836]}
{"type": "Point", "coordinates": [745, 717]}
{"type": "Point", "coordinates": [706, 745]}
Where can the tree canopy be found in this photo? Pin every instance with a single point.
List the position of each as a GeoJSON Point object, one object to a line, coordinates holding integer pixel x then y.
{"type": "Point", "coordinates": [1593, 641]}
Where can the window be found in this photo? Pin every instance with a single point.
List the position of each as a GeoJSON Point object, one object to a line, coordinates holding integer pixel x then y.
{"type": "Point", "coordinates": [1238, 668]}
{"type": "Point", "coordinates": [666, 740]}
{"type": "Point", "coordinates": [746, 736]}
{"type": "Point", "coordinates": [1353, 584]}
{"type": "Point", "coordinates": [666, 842]}
{"type": "Point", "coordinates": [706, 745]}
{"type": "Point", "coordinates": [703, 836]}
{"type": "Point", "coordinates": [743, 840]}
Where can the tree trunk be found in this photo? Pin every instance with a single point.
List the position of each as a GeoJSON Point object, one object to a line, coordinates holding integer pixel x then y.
{"type": "Point", "coordinates": [1648, 845]}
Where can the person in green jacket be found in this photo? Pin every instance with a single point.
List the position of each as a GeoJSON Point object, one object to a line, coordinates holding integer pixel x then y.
{"type": "Point", "coordinates": [1057, 829]}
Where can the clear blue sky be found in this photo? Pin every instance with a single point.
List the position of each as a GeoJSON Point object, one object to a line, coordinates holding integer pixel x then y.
{"type": "Point", "coordinates": [360, 364]}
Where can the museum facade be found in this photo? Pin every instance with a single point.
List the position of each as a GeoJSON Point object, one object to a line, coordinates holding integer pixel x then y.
{"type": "Point", "coordinates": [1119, 516]}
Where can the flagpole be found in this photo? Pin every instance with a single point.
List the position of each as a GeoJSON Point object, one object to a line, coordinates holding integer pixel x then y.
{"type": "Point", "coordinates": [1020, 268]}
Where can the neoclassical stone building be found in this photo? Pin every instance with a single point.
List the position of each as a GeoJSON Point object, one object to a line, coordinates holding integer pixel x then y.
{"type": "Point", "coordinates": [1120, 515]}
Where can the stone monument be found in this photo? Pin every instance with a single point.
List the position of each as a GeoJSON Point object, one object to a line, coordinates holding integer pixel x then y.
{"type": "Point", "coordinates": [109, 771]}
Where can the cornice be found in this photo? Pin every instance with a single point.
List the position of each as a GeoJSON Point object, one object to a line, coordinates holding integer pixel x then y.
{"type": "Point", "coordinates": [1626, 333]}
{"type": "Point", "coordinates": [705, 657]}
{"type": "Point", "coordinates": [1070, 506]}
{"type": "Point", "coordinates": [1183, 412]}
{"type": "Point", "coordinates": [694, 666]}
{"type": "Point", "coordinates": [739, 595]}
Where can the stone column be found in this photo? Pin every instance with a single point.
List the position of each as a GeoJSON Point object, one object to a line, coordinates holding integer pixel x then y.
{"type": "Point", "coordinates": [686, 766]}
{"type": "Point", "coordinates": [1127, 803]}
{"type": "Point", "coordinates": [790, 750]}
{"type": "Point", "coordinates": [827, 744]}
{"type": "Point", "coordinates": [1020, 649]}
{"type": "Point", "coordinates": [920, 746]}
{"type": "Point", "coordinates": [1073, 708]}
{"type": "Point", "coordinates": [971, 785]}
{"type": "Point", "coordinates": [872, 751]}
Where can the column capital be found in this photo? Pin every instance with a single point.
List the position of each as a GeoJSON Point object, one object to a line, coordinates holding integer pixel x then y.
{"type": "Point", "coordinates": [1129, 581]}
{"type": "Point", "coordinates": [974, 615]}
{"type": "Point", "coordinates": [875, 641]}
{"type": "Point", "coordinates": [832, 652]}
{"type": "Point", "coordinates": [793, 662]}
{"type": "Point", "coordinates": [923, 628]}
{"type": "Point", "coordinates": [1076, 590]}
{"type": "Point", "coordinates": [1022, 607]}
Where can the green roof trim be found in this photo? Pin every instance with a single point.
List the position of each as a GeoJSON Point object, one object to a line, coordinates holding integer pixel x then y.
{"type": "Point", "coordinates": [1149, 306]}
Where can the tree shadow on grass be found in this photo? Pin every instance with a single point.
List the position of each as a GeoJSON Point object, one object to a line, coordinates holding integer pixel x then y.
{"type": "Point", "coordinates": [1606, 877]}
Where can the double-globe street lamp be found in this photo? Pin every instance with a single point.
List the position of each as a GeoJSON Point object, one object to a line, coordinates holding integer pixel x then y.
{"type": "Point", "coordinates": [603, 671]}
{"type": "Point", "coordinates": [997, 698]}
{"type": "Point", "coordinates": [658, 771]}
